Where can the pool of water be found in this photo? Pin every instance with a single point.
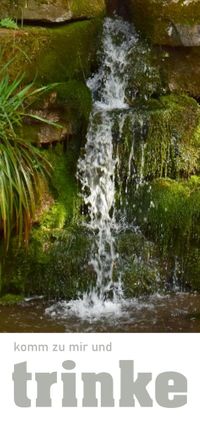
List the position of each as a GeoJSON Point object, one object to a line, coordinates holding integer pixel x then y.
{"type": "Point", "coordinates": [171, 313]}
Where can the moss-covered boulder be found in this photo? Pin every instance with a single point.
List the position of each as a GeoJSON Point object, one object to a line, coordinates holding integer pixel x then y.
{"type": "Point", "coordinates": [156, 70]}
{"type": "Point", "coordinates": [168, 214]}
{"type": "Point", "coordinates": [159, 138]}
{"type": "Point", "coordinates": [52, 54]}
{"type": "Point", "coordinates": [140, 265]}
{"type": "Point", "coordinates": [168, 22]}
{"type": "Point", "coordinates": [53, 11]}
{"type": "Point", "coordinates": [180, 69]}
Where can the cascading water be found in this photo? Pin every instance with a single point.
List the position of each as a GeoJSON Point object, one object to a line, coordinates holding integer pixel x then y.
{"type": "Point", "coordinates": [99, 167]}
{"type": "Point", "coordinates": [109, 84]}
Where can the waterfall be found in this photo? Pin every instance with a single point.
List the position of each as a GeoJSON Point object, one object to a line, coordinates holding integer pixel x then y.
{"type": "Point", "coordinates": [98, 168]}
{"type": "Point", "coordinates": [109, 84]}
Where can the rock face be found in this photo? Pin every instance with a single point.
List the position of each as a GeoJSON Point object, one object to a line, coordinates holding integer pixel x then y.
{"type": "Point", "coordinates": [52, 11]}
{"type": "Point", "coordinates": [189, 36]}
{"type": "Point", "coordinates": [52, 54]}
{"type": "Point", "coordinates": [173, 28]}
{"type": "Point", "coordinates": [180, 69]}
{"type": "Point", "coordinates": [168, 22]}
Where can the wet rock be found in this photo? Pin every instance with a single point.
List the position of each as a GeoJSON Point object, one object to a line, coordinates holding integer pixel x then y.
{"type": "Point", "coordinates": [162, 136]}
{"type": "Point", "coordinates": [180, 69]}
{"type": "Point", "coordinates": [66, 108]}
{"type": "Point", "coordinates": [189, 36]}
{"type": "Point", "coordinates": [51, 11]}
{"type": "Point", "coordinates": [168, 22]}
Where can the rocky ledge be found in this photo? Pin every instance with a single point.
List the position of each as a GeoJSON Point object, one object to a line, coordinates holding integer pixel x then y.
{"type": "Point", "coordinates": [52, 11]}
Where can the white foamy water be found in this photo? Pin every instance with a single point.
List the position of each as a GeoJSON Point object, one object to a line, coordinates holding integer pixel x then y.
{"type": "Point", "coordinates": [109, 84]}
{"type": "Point", "coordinates": [97, 170]}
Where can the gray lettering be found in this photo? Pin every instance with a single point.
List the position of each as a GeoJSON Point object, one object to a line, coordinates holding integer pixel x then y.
{"type": "Point", "coordinates": [178, 389]}
{"type": "Point", "coordinates": [20, 378]}
{"type": "Point", "coordinates": [131, 387]}
{"type": "Point", "coordinates": [44, 383]}
{"type": "Point", "coordinates": [106, 382]}
{"type": "Point", "coordinates": [69, 385]}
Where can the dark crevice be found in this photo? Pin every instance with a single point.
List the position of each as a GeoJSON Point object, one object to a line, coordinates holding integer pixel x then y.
{"type": "Point", "coordinates": [121, 8]}
{"type": "Point", "coordinates": [47, 24]}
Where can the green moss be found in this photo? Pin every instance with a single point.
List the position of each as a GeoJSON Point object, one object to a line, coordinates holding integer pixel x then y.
{"type": "Point", "coordinates": [192, 268]}
{"type": "Point", "coordinates": [163, 138]}
{"type": "Point", "coordinates": [63, 186]}
{"type": "Point", "coordinates": [140, 266]}
{"type": "Point", "coordinates": [170, 213]}
{"type": "Point", "coordinates": [55, 265]}
{"type": "Point", "coordinates": [77, 97]}
{"type": "Point", "coordinates": [172, 144]}
{"type": "Point", "coordinates": [10, 299]}
{"type": "Point", "coordinates": [53, 54]}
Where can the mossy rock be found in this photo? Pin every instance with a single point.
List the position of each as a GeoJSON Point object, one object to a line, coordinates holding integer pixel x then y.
{"type": "Point", "coordinates": [155, 70]}
{"type": "Point", "coordinates": [10, 299]}
{"type": "Point", "coordinates": [167, 22]}
{"type": "Point", "coordinates": [158, 138]}
{"type": "Point", "coordinates": [51, 11]}
{"type": "Point", "coordinates": [68, 105]}
{"type": "Point", "coordinates": [172, 144]}
{"type": "Point", "coordinates": [52, 54]}
{"type": "Point", "coordinates": [179, 68]}
{"type": "Point", "coordinates": [140, 265]}
{"type": "Point", "coordinates": [192, 268]}
{"type": "Point", "coordinates": [169, 212]}
{"type": "Point", "coordinates": [55, 265]}
{"type": "Point", "coordinates": [64, 190]}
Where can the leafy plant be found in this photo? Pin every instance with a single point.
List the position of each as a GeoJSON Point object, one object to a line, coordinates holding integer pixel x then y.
{"type": "Point", "coordinates": [8, 23]}
{"type": "Point", "coordinates": [23, 168]}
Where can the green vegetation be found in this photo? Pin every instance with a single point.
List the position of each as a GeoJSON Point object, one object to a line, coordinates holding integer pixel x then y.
{"type": "Point", "coordinates": [23, 168]}
{"type": "Point", "coordinates": [10, 299]}
{"type": "Point", "coordinates": [8, 23]}
{"type": "Point", "coordinates": [169, 212]}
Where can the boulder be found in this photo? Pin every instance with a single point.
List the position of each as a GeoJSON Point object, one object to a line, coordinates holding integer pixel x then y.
{"type": "Point", "coordinates": [179, 67]}
{"type": "Point", "coordinates": [52, 11]}
{"type": "Point", "coordinates": [51, 54]}
{"type": "Point", "coordinates": [168, 22]}
{"type": "Point", "coordinates": [67, 106]}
